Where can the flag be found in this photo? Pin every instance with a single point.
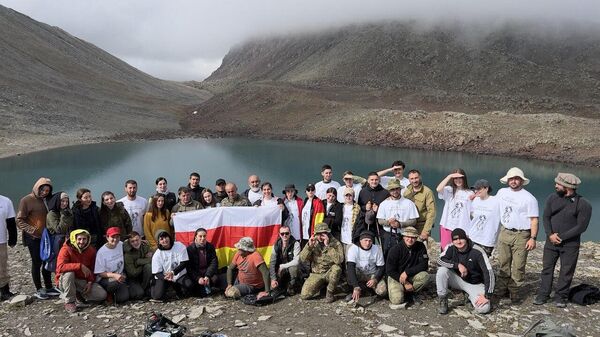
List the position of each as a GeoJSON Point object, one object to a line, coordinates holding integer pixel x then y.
{"type": "Point", "coordinates": [225, 226]}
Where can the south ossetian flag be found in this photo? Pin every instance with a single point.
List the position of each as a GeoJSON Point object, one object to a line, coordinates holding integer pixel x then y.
{"type": "Point", "coordinates": [225, 226]}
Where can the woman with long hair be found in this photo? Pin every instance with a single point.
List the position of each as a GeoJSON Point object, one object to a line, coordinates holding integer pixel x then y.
{"type": "Point", "coordinates": [114, 214]}
{"type": "Point", "coordinates": [208, 199]}
{"type": "Point", "coordinates": [86, 216]}
{"type": "Point", "coordinates": [455, 192]}
{"type": "Point", "coordinates": [157, 218]}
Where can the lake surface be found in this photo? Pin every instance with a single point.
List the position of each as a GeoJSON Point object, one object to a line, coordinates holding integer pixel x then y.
{"type": "Point", "coordinates": [102, 167]}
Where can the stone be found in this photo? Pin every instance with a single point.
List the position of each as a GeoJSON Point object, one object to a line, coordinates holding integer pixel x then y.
{"type": "Point", "coordinates": [89, 333]}
{"type": "Point", "coordinates": [503, 334]}
{"type": "Point", "coordinates": [435, 333]}
{"type": "Point", "coordinates": [196, 312]}
{"type": "Point", "coordinates": [238, 323]}
{"type": "Point", "coordinates": [27, 332]}
{"type": "Point", "coordinates": [462, 313]}
{"type": "Point", "coordinates": [264, 318]}
{"type": "Point", "coordinates": [398, 306]}
{"type": "Point", "coordinates": [386, 328]}
{"type": "Point", "coordinates": [178, 318]}
{"type": "Point", "coordinates": [20, 300]}
{"type": "Point", "coordinates": [476, 324]}
{"type": "Point", "coordinates": [419, 323]}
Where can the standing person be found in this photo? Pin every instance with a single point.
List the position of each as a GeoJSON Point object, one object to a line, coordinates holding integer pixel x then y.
{"type": "Point", "coordinates": [253, 193]}
{"type": "Point", "coordinates": [354, 182]}
{"type": "Point", "coordinates": [397, 168]}
{"type": "Point", "coordinates": [113, 214]}
{"type": "Point", "coordinates": [424, 200]}
{"type": "Point", "coordinates": [168, 267]}
{"type": "Point", "coordinates": [220, 193]}
{"type": "Point", "coordinates": [519, 218]}
{"type": "Point", "coordinates": [185, 203]}
{"type": "Point", "coordinates": [110, 266]}
{"type": "Point", "coordinates": [294, 205]}
{"type": "Point", "coordinates": [31, 219]}
{"type": "Point", "coordinates": [161, 188]}
{"type": "Point", "coordinates": [209, 200]}
{"type": "Point", "coordinates": [135, 205]}
{"type": "Point", "coordinates": [313, 212]}
{"type": "Point", "coordinates": [8, 237]}
{"type": "Point", "coordinates": [327, 182]}
{"type": "Point", "coordinates": [284, 263]}
{"type": "Point", "coordinates": [455, 192]}
{"type": "Point", "coordinates": [373, 192]}
{"type": "Point", "coordinates": [252, 273]}
{"type": "Point", "coordinates": [86, 216]}
{"type": "Point", "coordinates": [365, 268]}
{"type": "Point", "coordinates": [396, 210]}
{"type": "Point", "coordinates": [203, 264]}
{"type": "Point", "coordinates": [466, 267]}
{"type": "Point", "coordinates": [268, 198]}
{"type": "Point", "coordinates": [485, 217]}
{"type": "Point", "coordinates": [138, 265]}
{"type": "Point", "coordinates": [233, 198]}
{"type": "Point", "coordinates": [75, 270]}
{"type": "Point", "coordinates": [194, 186]}
{"type": "Point", "coordinates": [333, 212]}
{"type": "Point", "coordinates": [157, 218]}
{"type": "Point", "coordinates": [350, 216]}
{"type": "Point", "coordinates": [406, 267]}
{"type": "Point", "coordinates": [59, 222]}
{"type": "Point", "coordinates": [566, 216]}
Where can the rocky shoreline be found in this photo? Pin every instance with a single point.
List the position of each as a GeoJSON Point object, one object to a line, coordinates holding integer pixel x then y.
{"type": "Point", "coordinates": [295, 317]}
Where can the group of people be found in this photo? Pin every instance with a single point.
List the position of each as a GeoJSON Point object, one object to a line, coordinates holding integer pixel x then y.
{"type": "Point", "coordinates": [367, 237]}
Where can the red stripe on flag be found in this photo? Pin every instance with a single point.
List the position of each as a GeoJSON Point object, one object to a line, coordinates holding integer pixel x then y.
{"type": "Point", "coordinates": [228, 236]}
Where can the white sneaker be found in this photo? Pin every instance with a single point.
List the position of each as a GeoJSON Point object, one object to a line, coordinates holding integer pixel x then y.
{"type": "Point", "coordinates": [41, 294]}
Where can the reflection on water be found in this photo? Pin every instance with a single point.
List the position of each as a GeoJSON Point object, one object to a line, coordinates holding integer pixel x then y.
{"type": "Point", "coordinates": [103, 167]}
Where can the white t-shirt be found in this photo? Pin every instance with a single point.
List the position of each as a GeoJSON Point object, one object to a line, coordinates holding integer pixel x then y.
{"type": "Point", "coordinates": [294, 215]}
{"type": "Point", "coordinates": [254, 196]}
{"type": "Point", "coordinates": [457, 208]}
{"type": "Point", "coordinates": [306, 210]}
{"type": "Point", "coordinates": [110, 260]}
{"type": "Point", "coordinates": [366, 261]}
{"type": "Point", "coordinates": [384, 180]}
{"type": "Point", "coordinates": [272, 202]}
{"type": "Point", "coordinates": [166, 260]}
{"type": "Point", "coordinates": [321, 188]}
{"type": "Point", "coordinates": [7, 211]}
{"type": "Point", "coordinates": [346, 235]}
{"type": "Point", "coordinates": [136, 209]}
{"type": "Point", "coordinates": [516, 208]}
{"type": "Point", "coordinates": [485, 222]}
{"type": "Point", "coordinates": [401, 210]}
{"type": "Point", "coordinates": [340, 192]}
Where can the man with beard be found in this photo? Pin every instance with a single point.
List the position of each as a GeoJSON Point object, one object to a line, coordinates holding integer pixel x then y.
{"type": "Point", "coordinates": [203, 264]}
{"type": "Point", "coordinates": [253, 193]}
{"type": "Point", "coordinates": [395, 213]}
{"type": "Point", "coordinates": [406, 267]}
{"type": "Point", "coordinates": [134, 205]}
{"type": "Point", "coordinates": [519, 219]}
{"type": "Point", "coordinates": [285, 258]}
{"type": "Point", "coordinates": [423, 197]}
{"type": "Point", "coordinates": [323, 185]}
{"type": "Point", "coordinates": [233, 198]}
{"type": "Point", "coordinates": [220, 193]}
{"type": "Point", "coordinates": [326, 255]}
{"type": "Point", "coordinates": [185, 204]}
{"type": "Point", "coordinates": [465, 266]}
{"type": "Point", "coordinates": [566, 217]}
{"type": "Point", "coordinates": [252, 273]}
{"type": "Point", "coordinates": [373, 192]}
{"type": "Point", "coordinates": [194, 186]}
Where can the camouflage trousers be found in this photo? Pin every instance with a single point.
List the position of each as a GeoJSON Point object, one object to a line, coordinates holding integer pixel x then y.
{"type": "Point", "coordinates": [315, 282]}
{"type": "Point", "coordinates": [396, 289]}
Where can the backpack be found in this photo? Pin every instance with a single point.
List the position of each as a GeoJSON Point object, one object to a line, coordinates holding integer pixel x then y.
{"type": "Point", "coordinates": [274, 296]}
{"type": "Point", "coordinates": [547, 328]}
{"type": "Point", "coordinates": [159, 325]}
{"type": "Point", "coordinates": [584, 294]}
{"type": "Point", "coordinates": [46, 241]}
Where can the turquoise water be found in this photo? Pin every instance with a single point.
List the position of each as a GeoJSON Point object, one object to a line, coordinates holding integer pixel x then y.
{"type": "Point", "coordinates": [101, 167]}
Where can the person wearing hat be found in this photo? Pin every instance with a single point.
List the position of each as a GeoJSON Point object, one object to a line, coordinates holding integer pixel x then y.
{"type": "Point", "coordinates": [406, 267]}
{"type": "Point", "coordinates": [372, 193]}
{"type": "Point", "coordinates": [109, 266]}
{"type": "Point", "coordinates": [394, 213]}
{"type": "Point", "coordinates": [350, 181]}
{"type": "Point", "coordinates": [465, 266]}
{"type": "Point", "coordinates": [519, 219]}
{"type": "Point", "coordinates": [313, 213]}
{"type": "Point", "coordinates": [350, 218]}
{"type": "Point", "coordinates": [454, 190]}
{"type": "Point", "coordinates": [566, 216]}
{"type": "Point", "coordinates": [294, 205]}
{"type": "Point", "coordinates": [365, 268]}
{"type": "Point", "coordinates": [59, 222]}
{"type": "Point", "coordinates": [252, 272]}
{"type": "Point", "coordinates": [327, 182]}
{"type": "Point", "coordinates": [169, 264]}
{"type": "Point", "coordinates": [326, 255]}
{"type": "Point", "coordinates": [220, 193]}
{"type": "Point", "coordinates": [485, 217]}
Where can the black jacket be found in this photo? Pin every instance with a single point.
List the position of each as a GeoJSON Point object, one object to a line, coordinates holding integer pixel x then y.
{"type": "Point", "coordinates": [281, 256]}
{"type": "Point", "coordinates": [196, 193]}
{"type": "Point", "coordinates": [376, 195]}
{"type": "Point", "coordinates": [88, 219]}
{"type": "Point", "coordinates": [193, 266]}
{"type": "Point", "coordinates": [475, 260]}
{"type": "Point", "coordinates": [567, 216]}
{"type": "Point", "coordinates": [402, 259]}
{"type": "Point", "coordinates": [334, 217]}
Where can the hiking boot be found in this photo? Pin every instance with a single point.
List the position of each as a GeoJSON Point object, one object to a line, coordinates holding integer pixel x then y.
{"type": "Point", "coordinates": [329, 298]}
{"type": "Point", "coordinates": [52, 291]}
{"type": "Point", "coordinates": [348, 298]}
{"type": "Point", "coordinates": [515, 299]}
{"type": "Point", "coordinates": [540, 299]}
{"type": "Point", "coordinates": [41, 294]}
{"type": "Point", "coordinates": [443, 309]}
{"type": "Point", "coordinates": [560, 302]}
{"type": "Point", "coordinates": [5, 293]}
{"type": "Point", "coordinates": [71, 308]}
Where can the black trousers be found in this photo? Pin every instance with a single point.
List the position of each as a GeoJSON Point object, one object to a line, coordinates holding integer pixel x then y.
{"type": "Point", "coordinates": [568, 256]}
{"type": "Point", "coordinates": [182, 286]}
{"type": "Point", "coordinates": [33, 245]}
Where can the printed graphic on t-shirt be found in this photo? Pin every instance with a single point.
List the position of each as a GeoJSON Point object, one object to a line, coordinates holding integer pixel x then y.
{"type": "Point", "coordinates": [481, 221]}
{"type": "Point", "coordinates": [457, 210]}
{"type": "Point", "coordinates": [506, 213]}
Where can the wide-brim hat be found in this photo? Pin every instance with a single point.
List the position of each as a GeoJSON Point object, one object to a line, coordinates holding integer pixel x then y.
{"type": "Point", "coordinates": [514, 172]}
{"type": "Point", "coordinates": [246, 244]}
{"type": "Point", "coordinates": [322, 227]}
{"type": "Point", "coordinates": [410, 232]}
{"type": "Point", "coordinates": [394, 184]}
{"type": "Point", "coordinates": [567, 180]}
{"type": "Point", "coordinates": [290, 187]}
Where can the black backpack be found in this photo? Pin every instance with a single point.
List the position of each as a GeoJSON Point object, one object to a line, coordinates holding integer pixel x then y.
{"type": "Point", "coordinates": [159, 323]}
{"type": "Point", "coordinates": [584, 294]}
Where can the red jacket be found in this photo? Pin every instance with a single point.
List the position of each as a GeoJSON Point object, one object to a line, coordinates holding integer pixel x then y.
{"type": "Point", "coordinates": [70, 260]}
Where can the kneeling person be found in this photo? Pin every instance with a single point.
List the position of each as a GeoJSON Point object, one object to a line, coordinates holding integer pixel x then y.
{"type": "Point", "coordinates": [326, 255]}
{"type": "Point", "coordinates": [284, 262]}
{"type": "Point", "coordinates": [365, 267]}
{"type": "Point", "coordinates": [138, 265]}
{"type": "Point", "coordinates": [203, 264]}
{"type": "Point", "coordinates": [168, 267]}
{"type": "Point", "coordinates": [253, 275]}
{"type": "Point", "coordinates": [110, 266]}
{"type": "Point", "coordinates": [466, 267]}
{"type": "Point", "coordinates": [406, 266]}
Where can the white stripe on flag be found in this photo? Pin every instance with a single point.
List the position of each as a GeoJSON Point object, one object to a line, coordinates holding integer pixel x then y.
{"type": "Point", "coordinates": [227, 216]}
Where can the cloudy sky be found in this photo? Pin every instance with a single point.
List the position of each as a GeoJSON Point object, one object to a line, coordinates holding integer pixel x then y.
{"type": "Point", "coordinates": [186, 39]}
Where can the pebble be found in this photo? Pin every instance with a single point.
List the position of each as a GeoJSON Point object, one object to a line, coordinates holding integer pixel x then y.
{"type": "Point", "coordinates": [20, 300]}
{"type": "Point", "coordinates": [386, 328]}
{"type": "Point", "coordinates": [89, 334]}
{"type": "Point", "coordinates": [178, 318]}
{"type": "Point", "coordinates": [398, 306]}
{"type": "Point", "coordinates": [462, 313]}
{"type": "Point", "coordinates": [264, 318]}
{"type": "Point", "coordinates": [27, 332]}
{"type": "Point", "coordinates": [419, 323]}
{"type": "Point", "coordinates": [476, 324]}
{"type": "Point", "coordinates": [238, 323]}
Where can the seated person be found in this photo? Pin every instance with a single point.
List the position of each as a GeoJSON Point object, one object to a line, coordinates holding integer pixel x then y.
{"type": "Point", "coordinates": [406, 266]}
{"type": "Point", "coordinates": [138, 265]}
{"type": "Point", "coordinates": [365, 267]}
{"type": "Point", "coordinates": [168, 267]}
{"type": "Point", "coordinates": [75, 271]}
{"type": "Point", "coordinates": [465, 266]}
{"type": "Point", "coordinates": [203, 264]}
{"type": "Point", "coordinates": [252, 273]}
{"type": "Point", "coordinates": [110, 265]}
{"type": "Point", "coordinates": [326, 255]}
{"type": "Point", "coordinates": [284, 261]}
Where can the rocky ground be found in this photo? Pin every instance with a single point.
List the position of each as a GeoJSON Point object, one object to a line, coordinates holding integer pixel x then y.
{"type": "Point", "coordinates": [295, 317]}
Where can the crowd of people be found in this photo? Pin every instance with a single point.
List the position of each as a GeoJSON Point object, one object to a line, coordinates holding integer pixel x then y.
{"type": "Point", "coordinates": [367, 237]}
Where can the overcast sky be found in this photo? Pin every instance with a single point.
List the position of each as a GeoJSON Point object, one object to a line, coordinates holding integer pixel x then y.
{"type": "Point", "coordinates": [186, 39]}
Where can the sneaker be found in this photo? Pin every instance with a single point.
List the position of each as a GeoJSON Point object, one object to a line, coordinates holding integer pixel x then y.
{"type": "Point", "coordinates": [52, 292]}
{"type": "Point", "coordinates": [348, 298]}
{"type": "Point", "coordinates": [81, 304]}
{"type": "Point", "coordinates": [443, 308]}
{"type": "Point", "coordinates": [540, 299]}
{"type": "Point", "coordinates": [71, 308]}
{"type": "Point", "coordinates": [560, 302]}
{"type": "Point", "coordinates": [41, 294]}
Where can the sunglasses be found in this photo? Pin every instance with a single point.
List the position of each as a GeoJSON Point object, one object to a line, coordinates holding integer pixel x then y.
{"type": "Point", "coordinates": [284, 233]}
{"type": "Point", "coordinates": [310, 190]}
